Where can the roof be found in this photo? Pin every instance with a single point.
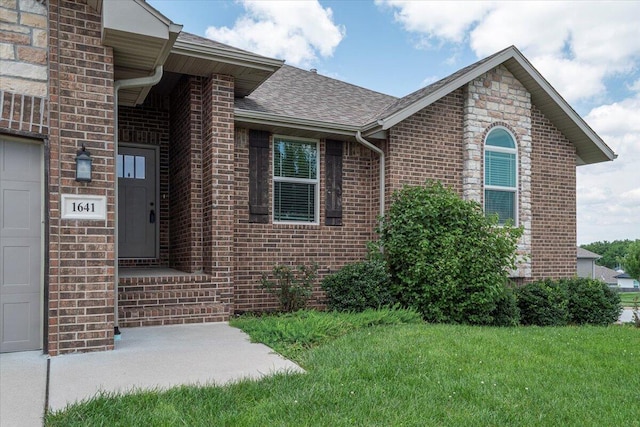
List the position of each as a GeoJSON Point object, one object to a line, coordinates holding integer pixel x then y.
{"type": "Point", "coordinates": [623, 276]}
{"type": "Point", "coordinates": [322, 101]}
{"type": "Point", "coordinates": [583, 253]}
{"type": "Point", "coordinates": [606, 274]}
{"type": "Point", "coordinates": [293, 92]}
{"type": "Point", "coordinates": [199, 56]}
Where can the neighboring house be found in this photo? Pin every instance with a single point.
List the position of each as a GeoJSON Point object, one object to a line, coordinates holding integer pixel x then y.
{"type": "Point", "coordinates": [587, 263]}
{"type": "Point", "coordinates": [606, 275]}
{"type": "Point", "coordinates": [626, 282]}
{"type": "Point", "coordinates": [212, 164]}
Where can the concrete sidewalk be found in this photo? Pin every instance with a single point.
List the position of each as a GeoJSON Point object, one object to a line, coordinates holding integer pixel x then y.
{"type": "Point", "coordinates": [151, 357]}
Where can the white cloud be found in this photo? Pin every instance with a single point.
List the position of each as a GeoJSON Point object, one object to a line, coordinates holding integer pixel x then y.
{"type": "Point", "coordinates": [295, 31]}
{"type": "Point", "coordinates": [609, 193]}
{"type": "Point", "coordinates": [592, 40]}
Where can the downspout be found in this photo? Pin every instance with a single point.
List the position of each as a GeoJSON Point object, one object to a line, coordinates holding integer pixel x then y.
{"type": "Point", "coordinates": [372, 147]}
{"type": "Point", "coordinates": [117, 85]}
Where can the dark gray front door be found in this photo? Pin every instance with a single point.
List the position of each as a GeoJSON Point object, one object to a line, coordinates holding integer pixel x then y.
{"type": "Point", "coordinates": [137, 204]}
{"type": "Point", "coordinates": [20, 246]}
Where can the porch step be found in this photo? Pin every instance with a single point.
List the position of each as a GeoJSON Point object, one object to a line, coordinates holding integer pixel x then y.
{"type": "Point", "coordinates": [173, 315]}
{"type": "Point", "coordinates": [147, 299]}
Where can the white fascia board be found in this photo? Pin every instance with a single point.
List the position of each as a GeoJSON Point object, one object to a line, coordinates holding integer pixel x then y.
{"type": "Point", "coordinates": [409, 111]}
{"type": "Point", "coordinates": [246, 116]}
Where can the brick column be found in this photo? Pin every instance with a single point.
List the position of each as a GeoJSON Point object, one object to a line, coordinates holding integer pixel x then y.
{"type": "Point", "coordinates": [217, 182]}
{"type": "Point", "coordinates": [81, 252]}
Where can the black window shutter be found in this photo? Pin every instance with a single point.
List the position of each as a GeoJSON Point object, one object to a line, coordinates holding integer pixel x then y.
{"type": "Point", "coordinates": [333, 182]}
{"type": "Point", "coordinates": [258, 176]}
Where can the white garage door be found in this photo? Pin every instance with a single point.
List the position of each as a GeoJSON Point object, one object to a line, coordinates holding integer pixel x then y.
{"type": "Point", "coordinates": [20, 245]}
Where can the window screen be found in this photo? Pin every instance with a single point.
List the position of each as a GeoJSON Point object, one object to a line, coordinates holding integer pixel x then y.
{"type": "Point", "coordinates": [295, 180]}
{"type": "Point", "coordinates": [500, 175]}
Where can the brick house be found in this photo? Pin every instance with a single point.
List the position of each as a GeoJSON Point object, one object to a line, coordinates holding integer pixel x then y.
{"type": "Point", "coordinates": [211, 164]}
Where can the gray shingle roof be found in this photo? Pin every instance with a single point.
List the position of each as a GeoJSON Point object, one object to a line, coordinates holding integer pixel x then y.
{"type": "Point", "coordinates": [294, 92]}
{"type": "Point", "coordinates": [583, 253]}
{"type": "Point", "coordinates": [606, 274]}
{"type": "Point", "coordinates": [407, 100]}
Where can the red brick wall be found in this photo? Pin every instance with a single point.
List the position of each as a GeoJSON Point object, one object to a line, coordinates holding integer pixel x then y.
{"type": "Point", "coordinates": [217, 182]}
{"type": "Point", "coordinates": [81, 253]}
{"type": "Point", "coordinates": [553, 200]}
{"type": "Point", "coordinates": [186, 175]}
{"type": "Point", "coordinates": [257, 248]}
{"type": "Point", "coordinates": [148, 124]}
{"type": "Point", "coordinates": [428, 145]}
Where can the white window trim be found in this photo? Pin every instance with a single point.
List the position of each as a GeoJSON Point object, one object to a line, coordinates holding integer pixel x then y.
{"type": "Point", "coordinates": [315, 181]}
{"type": "Point", "coordinates": [515, 189]}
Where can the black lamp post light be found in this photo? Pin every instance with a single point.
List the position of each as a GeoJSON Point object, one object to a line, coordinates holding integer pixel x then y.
{"type": "Point", "coordinates": [83, 165]}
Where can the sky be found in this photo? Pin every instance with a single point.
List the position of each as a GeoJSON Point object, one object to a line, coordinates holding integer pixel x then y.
{"type": "Point", "coordinates": [588, 51]}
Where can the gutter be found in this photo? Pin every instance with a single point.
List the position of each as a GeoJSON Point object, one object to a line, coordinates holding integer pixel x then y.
{"type": "Point", "coordinates": [121, 84]}
{"type": "Point", "coordinates": [372, 147]}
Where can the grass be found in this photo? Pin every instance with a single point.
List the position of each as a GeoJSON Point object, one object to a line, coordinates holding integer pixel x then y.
{"type": "Point", "coordinates": [387, 372]}
{"type": "Point", "coordinates": [626, 298]}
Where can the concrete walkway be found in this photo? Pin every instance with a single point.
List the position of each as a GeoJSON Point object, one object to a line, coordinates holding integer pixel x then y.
{"type": "Point", "coordinates": [152, 357]}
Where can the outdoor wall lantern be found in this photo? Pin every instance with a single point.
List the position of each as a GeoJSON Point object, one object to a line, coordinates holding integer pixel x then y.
{"type": "Point", "coordinates": [83, 165]}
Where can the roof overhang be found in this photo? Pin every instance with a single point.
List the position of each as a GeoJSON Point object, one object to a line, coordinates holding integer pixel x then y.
{"type": "Point", "coordinates": [293, 126]}
{"type": "Point", "coordinates": [590, 148]}
{"type": "Point", "coordinates": [201, 59]}
{"type": "Point", "coordinates": [141, 38]}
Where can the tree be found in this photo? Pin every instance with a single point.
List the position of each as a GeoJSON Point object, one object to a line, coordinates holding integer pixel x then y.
{"type": "Point", "coordinates": [446, 258]}
{"type": "Point", "coordinates": [631, 261]}
{"type": "Point", "coordinates": [611, 252]}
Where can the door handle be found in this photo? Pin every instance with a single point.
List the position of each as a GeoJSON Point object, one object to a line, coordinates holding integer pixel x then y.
{"type": "Point", "coordinates": [152, 216]}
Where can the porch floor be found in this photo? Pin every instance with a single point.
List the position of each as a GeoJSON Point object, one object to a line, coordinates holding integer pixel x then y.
{"type": "Point", "coordinates": [127, 272]}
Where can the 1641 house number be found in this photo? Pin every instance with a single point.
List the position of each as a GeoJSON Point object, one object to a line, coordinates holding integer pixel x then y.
{"type": "Point", "coordinates": [76, 206]}
{"type": "Point", "coordinates": [83, 207]}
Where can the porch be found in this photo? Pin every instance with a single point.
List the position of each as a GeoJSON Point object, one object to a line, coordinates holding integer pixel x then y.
{"type": "Point", "coordinates": [153, 296]}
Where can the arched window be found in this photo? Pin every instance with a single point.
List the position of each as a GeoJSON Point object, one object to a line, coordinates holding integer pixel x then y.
{"type": "Point", "coordinates": [501, 175]}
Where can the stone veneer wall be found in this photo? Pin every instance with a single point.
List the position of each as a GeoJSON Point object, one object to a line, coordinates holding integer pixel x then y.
{"type": "Point", "coordinates": [81, 253]}
{"type": "Point", "coordinates": [499, 99]}
{"type": "Point", "coordinates": [23, 67]}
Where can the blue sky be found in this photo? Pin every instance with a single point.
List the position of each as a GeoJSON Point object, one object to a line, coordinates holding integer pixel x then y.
{"type": "Point", "coordinates": [589, 51]}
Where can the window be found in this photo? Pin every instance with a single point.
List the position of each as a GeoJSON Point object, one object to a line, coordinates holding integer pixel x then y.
{"type": "Point", "coordinates": [500, 175]}
{"type": "Point", "coordinates": [131, 166]}
{"type": "Point", "coordinates": [295, 180]}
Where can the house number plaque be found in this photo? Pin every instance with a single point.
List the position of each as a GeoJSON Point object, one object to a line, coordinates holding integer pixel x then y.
{"type": "Point", "coordinates": [75, 206]}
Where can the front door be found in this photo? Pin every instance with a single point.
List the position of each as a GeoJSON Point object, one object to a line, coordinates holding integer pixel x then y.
{"type": "Point", "coordinates": [20, 245]}
{"type": "Point", "coordinates": [137, 203]}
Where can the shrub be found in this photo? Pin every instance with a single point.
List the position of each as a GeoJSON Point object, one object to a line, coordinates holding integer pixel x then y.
{"type": "Point", "coordinates": [359, 286]}
{"type": "Point", "coordinates": [543, 303]}
{"type": "Point", "coordinates": [446, 259]}
{"type": "Point", "coordinates": [560, 302]}
{"type": "Point", "coordinates": [293, 287]}
{"type": "Point", "coordinates": [591, 302]}
{"type": "Point", "coordinates": [506, 312]}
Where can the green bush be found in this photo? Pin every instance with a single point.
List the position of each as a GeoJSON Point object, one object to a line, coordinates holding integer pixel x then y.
{"type": "Point", "coordinates": [543, 303]}
{"type": "Point", "coordinates": [446, 259]}
{"type": "Point", "coordinates": [359, 286]}
{"type": "Point", "coordinates": [293, 287]}
{"type": "Point", "coordinates": [592, 302]}
{"type": "Point", "coordinates": [506, 312]}
{"type": "Point", "coordinates": [568, 301]}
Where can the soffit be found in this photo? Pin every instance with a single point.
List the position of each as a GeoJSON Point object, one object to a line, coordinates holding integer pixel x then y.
{"type": "Point", "coordinates": [141, 38]}
{"type": "Point", "coordinates": [198, 56]}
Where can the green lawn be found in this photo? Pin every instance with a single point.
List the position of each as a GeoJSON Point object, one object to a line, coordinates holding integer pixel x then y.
{"type": "Point", "coordinates": [387, 372]}
{"type": "Point", "coordinates": [626, 298]}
